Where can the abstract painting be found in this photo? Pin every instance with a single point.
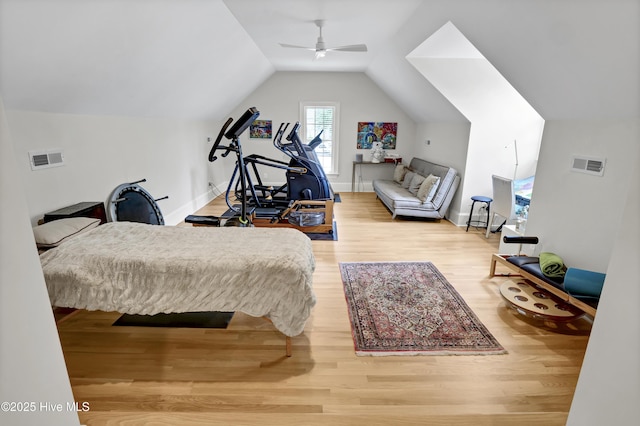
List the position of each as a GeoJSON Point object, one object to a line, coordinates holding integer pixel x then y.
{"type": "Point", "coordinates": [260, 129]}
{"type": "Point", "coordinates": [370, 132]}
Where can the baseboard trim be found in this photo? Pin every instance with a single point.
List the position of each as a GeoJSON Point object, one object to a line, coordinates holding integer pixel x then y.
{"type": "Point", "coordinates": [177, 216]}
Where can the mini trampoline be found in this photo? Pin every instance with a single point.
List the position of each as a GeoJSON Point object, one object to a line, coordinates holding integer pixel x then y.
{"type": "Point", "coordinates": [132, 203]}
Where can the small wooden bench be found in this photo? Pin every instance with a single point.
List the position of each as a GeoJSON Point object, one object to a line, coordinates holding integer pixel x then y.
{"type": "Point", "coordinates": [567, 298]}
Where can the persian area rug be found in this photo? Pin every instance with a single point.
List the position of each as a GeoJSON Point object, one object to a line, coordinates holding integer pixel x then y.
{"type": "Point", "coordinates": [409, 308]}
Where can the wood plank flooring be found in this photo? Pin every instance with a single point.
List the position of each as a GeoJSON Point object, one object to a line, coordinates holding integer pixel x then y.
{"type": "Point", "coordinates": [240, 376]}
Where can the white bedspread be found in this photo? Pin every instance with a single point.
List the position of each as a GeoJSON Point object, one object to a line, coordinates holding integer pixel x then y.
{"type": "Point", "coordinates": [146, 269]}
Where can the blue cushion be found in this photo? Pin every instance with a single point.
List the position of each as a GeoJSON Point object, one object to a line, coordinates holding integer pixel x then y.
{"type": "Point", "coordinates": [583, 283]}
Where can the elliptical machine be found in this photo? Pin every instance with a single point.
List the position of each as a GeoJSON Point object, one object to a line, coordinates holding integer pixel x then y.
{"type": "Point", "coordinates": [305, 177]}
{"type": "Point", "coordinates": [312, 185]}
{"type": "Point", "coordinates": [308, 200]}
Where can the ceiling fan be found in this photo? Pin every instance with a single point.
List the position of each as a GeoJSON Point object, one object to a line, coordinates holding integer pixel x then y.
{"type": "Point", "coordinates": [320, 48]}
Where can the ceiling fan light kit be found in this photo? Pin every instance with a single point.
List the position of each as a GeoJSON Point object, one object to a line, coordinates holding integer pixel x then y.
{"type": "Point", "coordinates": [320, 48]}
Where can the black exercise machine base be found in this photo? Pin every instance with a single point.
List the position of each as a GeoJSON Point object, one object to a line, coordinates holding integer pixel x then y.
{"type": "Point", "coordinates": [203, 220]}
{"type": "Point", "coordinates": [274, 218]}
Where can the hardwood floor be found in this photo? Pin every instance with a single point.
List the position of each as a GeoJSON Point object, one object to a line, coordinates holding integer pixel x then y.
{"type": "Point", "coordinates": [240, 376]}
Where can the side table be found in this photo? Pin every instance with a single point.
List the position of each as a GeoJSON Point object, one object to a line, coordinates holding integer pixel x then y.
{"type": "Point", "coordinates": [364, 163]}
{"type": "Point", "coordinates": [93, 209]}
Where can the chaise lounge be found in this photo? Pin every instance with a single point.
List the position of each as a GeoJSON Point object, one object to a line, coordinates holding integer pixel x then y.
{"type": "Point", "coordinates": [423, 189]}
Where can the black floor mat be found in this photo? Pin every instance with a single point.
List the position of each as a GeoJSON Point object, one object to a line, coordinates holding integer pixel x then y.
{"type": "Point", "coordinates": [184, 320]}
{"type": "Point", "coordinates": [325, 236]}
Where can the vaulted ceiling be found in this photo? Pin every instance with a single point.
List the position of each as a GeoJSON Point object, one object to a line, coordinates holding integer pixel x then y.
{"type": "Point", "coordinates": [200, 58]}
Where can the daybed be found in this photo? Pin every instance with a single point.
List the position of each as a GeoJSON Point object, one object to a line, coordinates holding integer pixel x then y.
{"type": "Point", "coordinates": [423, 189]}
{"type": "Point", "coordinates": [137, 268]}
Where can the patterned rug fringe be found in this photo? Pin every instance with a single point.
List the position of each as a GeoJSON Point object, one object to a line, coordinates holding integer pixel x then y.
{"type": "Point", "coordinates": [429, 353]}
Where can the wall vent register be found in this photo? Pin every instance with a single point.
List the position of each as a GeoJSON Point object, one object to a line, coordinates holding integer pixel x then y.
{"type": "Point", "coordinates": [46, 159]}
{"type": "Point", "coordinates": [592, 166]}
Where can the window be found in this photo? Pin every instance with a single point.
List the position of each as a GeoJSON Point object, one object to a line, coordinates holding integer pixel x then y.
{"type": "Point", "coordinates": [317, 116]}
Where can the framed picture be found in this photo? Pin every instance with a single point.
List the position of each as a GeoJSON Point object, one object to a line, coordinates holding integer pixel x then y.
{"type": "Point", "coordinates": [370, 132]}
{"type": "Point", "coordinates": [260, 129]}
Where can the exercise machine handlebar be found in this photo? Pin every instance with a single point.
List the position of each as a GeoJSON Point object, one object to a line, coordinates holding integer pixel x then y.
{"type": "Point", "coordinates": [248, 117]}
{"type": "Point", "coordinates": [520, 240]}
{"type": "Point", "coordinates": [294, 130]}
{"type": "Point", "coordinates": [216, 144]}
{"type": "Point", "coordinates": [234, 133]}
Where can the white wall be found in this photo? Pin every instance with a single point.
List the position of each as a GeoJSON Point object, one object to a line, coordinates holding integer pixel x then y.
{"type": "Point", "coordinates": [575, 215]}
{"type": "Point", "coordinates": [169, 58]}
{"type": "Point", "coordinates": [505, 130]}
{"type": "Point", "coordinates": [478, 150]}
{"type": "Point", "coordinates": [102, 152]}
{"type": "Point", "coordinates": [360, 100]}
{"type": "Point", "coordinates": [32, 366]}
{"type": "Point", "coordinates": [448, 143]}
{"type": "Point", "coordinates": [492, 151]}
{"type": "Point", "coordinates": [608, 389]}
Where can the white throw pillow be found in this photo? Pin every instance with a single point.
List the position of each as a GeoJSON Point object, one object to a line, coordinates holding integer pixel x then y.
{"type": "Point", "coordinates": [399, 172]}
{"type": "Point", "coordinates": [428, 188]}
{"type": "Point", "coordinates": [415, 184]}
{"type": "Point", "coordinates": [52, 234]}
{"type": "Point", "coordinates": [407, 179]}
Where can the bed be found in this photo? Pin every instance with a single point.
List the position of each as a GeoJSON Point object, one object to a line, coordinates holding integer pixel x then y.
{"type": "Point", "coordinates": [137, 268]}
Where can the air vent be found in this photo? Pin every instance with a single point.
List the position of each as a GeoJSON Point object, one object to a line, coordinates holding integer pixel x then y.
{"type": "Point", "coordinates": [46, 159]}
{"type": "Point", "coordinates": [591, 166]}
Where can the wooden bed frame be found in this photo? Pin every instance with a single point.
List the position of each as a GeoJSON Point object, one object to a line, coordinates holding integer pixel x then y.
{"type": "Point", "coordinates": [63, 314]}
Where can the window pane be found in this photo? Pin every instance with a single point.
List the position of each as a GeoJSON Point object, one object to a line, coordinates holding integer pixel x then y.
{"type": "Point", "coordinates": [317, 119]}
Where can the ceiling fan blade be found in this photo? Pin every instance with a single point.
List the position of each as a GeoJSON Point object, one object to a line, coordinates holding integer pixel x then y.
{"type": "Point", "coordinates": [320, 48]}
{"type": "Point", "coordinates": [297, 47]}
{"type": "Point", "coordinates": [350, 48]}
